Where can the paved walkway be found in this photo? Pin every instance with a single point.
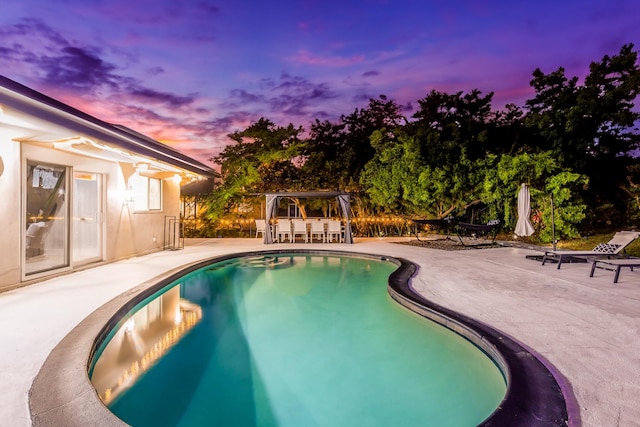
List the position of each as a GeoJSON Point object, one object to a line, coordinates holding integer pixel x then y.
{"type": "Point", "coordinates": [587, 329]}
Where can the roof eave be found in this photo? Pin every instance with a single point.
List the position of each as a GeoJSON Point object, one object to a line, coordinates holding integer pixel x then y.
{"type": "Point", "coordinates": [29, 101]}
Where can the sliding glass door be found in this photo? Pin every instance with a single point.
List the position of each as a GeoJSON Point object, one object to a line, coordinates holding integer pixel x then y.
{"type": "Point", "coordinates": [87, 218]}
{"type": "Point", "coordinates": [48, 245]}
{"type": "Point", "coordinates": [47, 217]}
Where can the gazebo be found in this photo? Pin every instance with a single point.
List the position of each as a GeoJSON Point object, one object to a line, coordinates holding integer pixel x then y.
{"type": "Point", "coordinates": [341, 197]}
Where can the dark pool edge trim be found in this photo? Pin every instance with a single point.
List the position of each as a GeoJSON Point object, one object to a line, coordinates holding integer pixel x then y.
{"type": "Point", "coordinates": [62, 394]}
{"type": "Point", "coordinates": [534, 396]}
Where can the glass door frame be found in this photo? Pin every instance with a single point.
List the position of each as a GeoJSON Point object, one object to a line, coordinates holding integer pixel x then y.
{"type": "Point", "coordinates": [30, 219]}
{"type": "Point", "coordinates": [98, 218]}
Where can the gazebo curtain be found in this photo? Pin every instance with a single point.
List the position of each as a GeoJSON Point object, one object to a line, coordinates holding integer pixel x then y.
{"type": "Point", "coordinates": [343, 199]}
{"type": "Point", "coordinates": [272, 203]}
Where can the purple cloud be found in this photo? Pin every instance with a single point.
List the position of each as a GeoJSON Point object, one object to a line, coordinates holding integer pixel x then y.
{"type": "Point", "coordinates": [304, 57]}
{"type": "Point", "coordinates": [56, 63]}
{"type": "Point", "coordinates": [241, 97]}
{"type": "Point", "coordinates": [143, 94]}
{"type": "Point", "coordinates": [293, 95]}
{"type": "Point", "coordinates": [78, 69]}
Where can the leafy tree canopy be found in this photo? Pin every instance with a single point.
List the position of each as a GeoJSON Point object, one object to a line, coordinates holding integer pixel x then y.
{"type": "Point", "coordinates": [574, 140]}
{"type": "Point", "coordinates": [263, 159]}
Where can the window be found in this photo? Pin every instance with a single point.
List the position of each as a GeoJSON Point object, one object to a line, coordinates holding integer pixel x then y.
{"type": "Point", "coordinates": [155, 194]}
{"type": "Point", "coordinates": [147, 193]}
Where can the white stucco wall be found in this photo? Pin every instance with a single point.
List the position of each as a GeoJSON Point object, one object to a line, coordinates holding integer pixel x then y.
{"type": "Point", "coordinates": [135, 233]}
{"type": "Point", "coordinates": [125, 233]}
{"type": "Point", "coordinates": [10, 185]}
{"type": "Point", "coordinates": [29, 123]}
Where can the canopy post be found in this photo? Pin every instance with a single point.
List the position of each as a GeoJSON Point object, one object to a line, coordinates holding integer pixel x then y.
{"type": "Point", "coordinates": [553, 225]}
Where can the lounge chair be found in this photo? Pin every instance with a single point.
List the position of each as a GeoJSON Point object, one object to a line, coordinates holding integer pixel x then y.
{"type": "Point", "coordinates": [612, 249]}
{"type": "Point", "coordinates": [614, 265]}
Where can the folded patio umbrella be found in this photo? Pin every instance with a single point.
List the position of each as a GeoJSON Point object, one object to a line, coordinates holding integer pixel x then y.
{"type": "Point", "coordinates": [523, 226]}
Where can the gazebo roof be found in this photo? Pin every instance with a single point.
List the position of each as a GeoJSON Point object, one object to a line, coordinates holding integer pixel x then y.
{"type": "Point", "coordinates": [198, 188]}
{"type": "Point", "coordinates": [309, 194]}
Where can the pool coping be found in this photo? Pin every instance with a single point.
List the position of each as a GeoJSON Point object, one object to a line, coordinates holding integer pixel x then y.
{"type": "Point", "coordinates": [62, 394]}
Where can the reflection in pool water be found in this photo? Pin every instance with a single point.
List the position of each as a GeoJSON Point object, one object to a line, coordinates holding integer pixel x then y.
{"type": "Point", "coordinates": [141, 340]}
{"type": "Point", "coordinates": [292, 340]}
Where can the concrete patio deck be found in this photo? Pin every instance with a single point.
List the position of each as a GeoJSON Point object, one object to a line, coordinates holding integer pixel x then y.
{"type": "Point", "coordinates": [586, 329]}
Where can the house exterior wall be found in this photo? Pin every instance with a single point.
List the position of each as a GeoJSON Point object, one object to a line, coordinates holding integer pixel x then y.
{"type": "Point", "coordinates": [125, 232]}
{"type": "Point", "coordinates": [10, 218]}
{"type": "Point", "coordinates": [49, 151]}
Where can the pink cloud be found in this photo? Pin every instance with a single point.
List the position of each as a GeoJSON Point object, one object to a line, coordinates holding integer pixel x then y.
{"type": "Point", "coordinates": [304, 57]}
{"type": "Point", "coordinates": [173, 130]}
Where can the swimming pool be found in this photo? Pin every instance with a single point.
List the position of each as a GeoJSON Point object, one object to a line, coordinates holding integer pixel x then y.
{"type": "Point", "coordinates": [290, 339]}
{"type": "Point", "coordinates": [61, 393]}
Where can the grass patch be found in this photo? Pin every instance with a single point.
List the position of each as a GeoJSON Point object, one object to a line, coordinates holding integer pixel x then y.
{"type": "Point", "coordinates": [588, 243]}
{"type": "Point", "coordinates": [582, 244]}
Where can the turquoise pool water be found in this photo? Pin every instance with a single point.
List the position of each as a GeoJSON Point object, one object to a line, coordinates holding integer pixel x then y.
{"type": "Point", "coordinates": [307, 340]}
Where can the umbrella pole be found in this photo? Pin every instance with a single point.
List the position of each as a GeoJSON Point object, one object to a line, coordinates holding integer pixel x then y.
{"type": "Point", "coordinates": [553, 225]}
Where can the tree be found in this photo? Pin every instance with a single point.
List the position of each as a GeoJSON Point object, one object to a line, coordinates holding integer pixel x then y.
{"type": "Point", "coordinates": [605, 104]}
{"type": "Point", "coordinates": [399, 179]}
{"type": "Point", "coordinates": [261, 160]}
{"type": "Point", "coordinates": [590, 128]}
{"type": "Point", "coordinates": [326, 166]}
{"type": "Point", "coordinates": [605, 113]}
{"type": "Point", "coordinates": [545, 177]}
{"type": "Point", "coordinates": [385, 175]}
{"type": "Point", "coordinates": [461, 122]}
{"type": "Point", "coordinates": [507, 133]}
{"type": "Point", "coordinates": [381, 113]}
{"type": "Point", "coordinates": [548, 114]}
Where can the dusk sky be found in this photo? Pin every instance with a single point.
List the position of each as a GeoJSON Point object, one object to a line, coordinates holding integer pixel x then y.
{"type": "Point", "coordinates": [189, 72]}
